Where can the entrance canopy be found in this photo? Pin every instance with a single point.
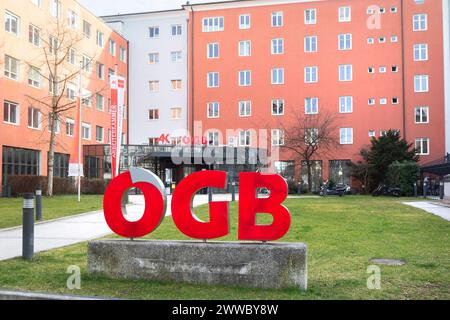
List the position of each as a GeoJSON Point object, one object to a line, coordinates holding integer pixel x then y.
{"type": "Point", "coordinates": [440, 167]}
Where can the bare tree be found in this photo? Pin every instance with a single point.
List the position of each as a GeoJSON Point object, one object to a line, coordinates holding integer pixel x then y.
{"type": "Point", "coordinates": [310, 136]}
{"type": "Point", "coordinates": [60, 65]}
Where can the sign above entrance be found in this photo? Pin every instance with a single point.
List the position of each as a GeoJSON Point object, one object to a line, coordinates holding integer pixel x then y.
{"type": "Point", "coordinates": [183, 216]}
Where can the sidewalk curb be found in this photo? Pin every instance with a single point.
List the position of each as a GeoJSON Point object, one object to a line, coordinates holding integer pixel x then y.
{"type": "Point", "coordinates": [23, 295]}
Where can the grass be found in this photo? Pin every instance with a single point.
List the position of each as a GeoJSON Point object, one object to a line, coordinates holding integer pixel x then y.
{"type": "Point", "coordinates": [342, 235]}
{"type": "Point", "coordinates": [52, 208]}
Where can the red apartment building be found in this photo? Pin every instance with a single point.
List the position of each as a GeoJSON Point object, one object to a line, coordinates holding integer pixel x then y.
{"type": "Point", "coordinates": [379, 65]}
{"type": "Point", "coordinates": [24, 133]}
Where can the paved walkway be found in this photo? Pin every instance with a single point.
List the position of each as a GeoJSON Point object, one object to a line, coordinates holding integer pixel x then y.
{"type": "Point", "coordinates": [430, 207]}
{"type": "Point", "coordinates": [75, 229]}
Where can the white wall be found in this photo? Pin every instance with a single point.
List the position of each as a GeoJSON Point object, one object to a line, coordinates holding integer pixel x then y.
{"type": "Point", "coordinates": [135, 28]}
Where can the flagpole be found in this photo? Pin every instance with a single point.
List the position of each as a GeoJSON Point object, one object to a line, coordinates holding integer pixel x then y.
{"type": "Point", "coordinates": [79, 133]}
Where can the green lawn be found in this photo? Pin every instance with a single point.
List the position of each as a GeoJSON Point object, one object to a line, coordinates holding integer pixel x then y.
{"type": "Point", "coordinates": [342, 234]}
{"type": "Point", "coordinates": [52, 208]}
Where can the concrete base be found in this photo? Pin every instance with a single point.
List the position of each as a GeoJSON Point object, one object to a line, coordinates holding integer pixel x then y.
{"type": "Point", "coordinates": [260, 265]}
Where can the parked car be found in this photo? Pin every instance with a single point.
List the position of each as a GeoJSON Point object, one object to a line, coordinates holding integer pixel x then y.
{"type": "Point", "coordinates": [384, 190]}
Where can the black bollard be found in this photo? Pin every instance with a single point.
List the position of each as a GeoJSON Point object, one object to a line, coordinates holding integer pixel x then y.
{"type": "Point", "coordinates": [210, 194]}
{"type": "Point", "coordinates": [415, 189]}
{"type": "Point", "coordinates": [28, 226]}
{"type": "Point", "coordinates": [38, 205]}
{"type": "Point", "coordinates": [441, 190]}
{"type": "Point", "coordinates": [233, 191]}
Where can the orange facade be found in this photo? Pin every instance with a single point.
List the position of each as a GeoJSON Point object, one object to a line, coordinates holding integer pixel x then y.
{"type": "Point", "coordinates": [18, 130]}
{"type": "Point", "coordinates": [381, 56]}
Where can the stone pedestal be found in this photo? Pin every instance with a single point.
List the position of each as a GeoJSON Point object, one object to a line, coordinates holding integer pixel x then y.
{"type": "Point", "coordinates": [260, 265]}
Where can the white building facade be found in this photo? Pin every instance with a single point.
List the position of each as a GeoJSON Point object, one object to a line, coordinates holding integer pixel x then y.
{"type": "Point", "coordinates": [158, 73]}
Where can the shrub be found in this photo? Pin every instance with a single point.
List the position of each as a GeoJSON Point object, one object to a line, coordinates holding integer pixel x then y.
{"type": "Point", "coordinates": [403, 175]}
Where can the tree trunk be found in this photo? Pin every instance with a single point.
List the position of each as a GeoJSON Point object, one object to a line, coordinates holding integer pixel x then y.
{"type": "Point", "coordinates": [308, 165]}
{"type": "Point", "coordinates": [51, 154]}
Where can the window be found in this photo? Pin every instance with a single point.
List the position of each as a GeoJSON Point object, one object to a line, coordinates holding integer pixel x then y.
{"type": "Point", "coordinates": [176, 56]}
{"type": "Point", "coordinates": [346, 104]}
{"type": "Point", "coordinates": [310, 16]}
{"type": "Point", "coordinates": [346, 135]}
{"type": "Point", "coordinates": [72, 56]}
{"type": "Point", "coordinates": [86, 98]}
{"type": "Point", "coordinates": [123, 54]}
{"type": "Point", "coordinates": [33, 35]}
{"type": "Point", "coordinates": [394, 68]}
{"type": "Point", "coordinates": [175, 84]}
{"type": "Point", "coordinates": [371, 101]}
{"type": "Point", "coordinates": [87, 29]}
{"type": "Point", "coordinates": [420, 22]}
{"type": "Point", "coordinates": [98, 134]}
{"type": "Point", "coordinates": [153, 114]}
{"type": "Point", "coordinates": [12, 23]}
{"type": "Point", "coordinates": [311, 75]}
{"type": "Point", "coordinates": [311, 136]}
{"type": "Point", "coordinates": [245, 78]}
{"type": "Point", "coordinates": [100, 102]}
{"type": "Point", "coordinates": [421, 83]}
{"type": "Point", "coordinates": [11, 112]}
{"type": "Point", "coordinates": [213, 24]}
{"type": "Point", "coordinates": [345, 41]}
{"type": "Point", "coordinates": [72, 19]}
{"type": "Point", "coordinates": [345, 72]}
{"type": "Point", "coordinates": [34, 118]}
{"type": "Point", "coordinates": [18, 161]}
{"type": "Point", "coordinates": [382, 69]}
{"type": "Point", "coordinates": [277, 46]}
{"type": "Point", "coordinates": [11, 68]}
{"type": "Point", "coordinates": [381, 39]}
{"type": "Point", "coordinates": [86, 63]}
{"type": "Point", "coordinates": [277, 19]}
{"type": "Point", "coordinates": [86, 131]}
{"type": "Point", "coordinates": [277, 107]}
{"type": "Point", "coordinates": [55, 8]}
{"type": "Point", "coordinates": [100, 70]}
{"type": "Point", "coordinates": [383, 101]}
{"type": "Point", "coordinates": [176, 30]}
{"type": "Point", "coordinates": [244, 21]}
{"type": "Point", "coordinates": [394, 39]}
{"type": "Point", "coordinates": [393, 9]}
{"type": "Point", "coordinates": [111, 72]}
{"type": "Point", "coordinates": [37, 2]}
{"type": "Point", "coordinates": [245, 138]}
{"type": "Point", "coordinates": [345, 14]}
{"type": "Point", "coordinates": [100, 37]}
{"type": "Point", "coordinates": [245, 108]}
{"type": "Point", "coordinates": [423, 146]}
{"type": "Point", "coordinates": [312, 105]}
{"type": "Point", "coordinates": [153, 85]}
{"type": "Point", "coordinates": [372, 133]}
{"type": "Point", "coordinates": [34, 77]}
{"type": "Point", "coordinates": [278, 76]}
{"type": "Point", "coordinates": [70, 127]}
{"type": "Point", "coordinates": [213, 138]}
{"type": "Point", "coordinates": [245, 48]}
{"type": "Point", "coordinates": [213, 79]}
{"type": "Point", "coordinates": [422, 115]}
{"type": "Point", "coordinates": [213, 51]}
{"type": "Point", "coordinates": [420, 52]}
{"type": "Point", "coordinates": [277, 137]}
{"type": "Point", "coordinates": [175, 113]}
{"type": "Point", "coordinates": [213, 109]}
{"type": "Point", "coordinates": [310, 43]}
{"type": "Point", "coordinates": [370, 41]}
{"type": "Point", "coordinates": [112, 48]}
{"type": "Point", "coordinates": [53, 44]}
{"type": "Point", "coordinates": [394, 100]}
{"type": "Point", "coordinates": [153, 58]}
{"type": "Point", "coordinates": [371, 70]}
{"type": "Point", "coordinates": [153, 32]}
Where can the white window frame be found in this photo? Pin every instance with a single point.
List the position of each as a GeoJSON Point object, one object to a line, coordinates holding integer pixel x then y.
{"type": "Point", "coordinates": [280, 105]}
{"type": "Point", "coordinates": [245, 108]}
{"type": "Point", "coordinates": [345, 14]}
{"type": "Point", "coordinates": [213, 24]}
{"type": "Point", "coordinates": [312, 105]}
{"type": "Point", "coordinates": [345, 72]}
{"type": "Point", "coordinates": [244, 21]}
{"type": "Point", "coordinates": [419, 145]}
{"type": "Point", "coordinates": [421, 52]}
{"type": "Point", "coordinates": [153, 86]}
{"type": "Point", "coordinates": [277, 137]}
{"type": "Point", "coordinates": [213, 79]}
{"type": "Point", "coordinates": [153, 58]}
{"type": "Point", "coordinates": [421, 83]}
{"type": "Point", "coordinates": [102, 130]}
{"type": "Point", "coordinates": [277, 76]}
{"type": "Point", "coordinates": [345, 41]}
{"type": "Point", "coordinates": [277, 46]}
{"type": "Point", "coordinates": [245, 78]}
{"type": "Point", "coordinates": [34, 112]}
{"type": "Point", "coordinates": [154, 32]}
{"type": "Point", "coordinates": [213, 50]}
{"type": "Point", "coordinates": [346, 136]}
{"type": "Point", "coordinates": [310, 16]}
{"type": "Point", "coordinates": [421, 116]}
{"type": "Point", "coordinates": [346, 104]}
{"type": "Point", "coordinates": [277, 19]}
{"type": "Point", "coordinates": [86, 126]}
{"type": "Point", "coordinates": [245, 138]}
{"type": "Point", "coordinates": [310, 44]}
{"type": "Point", "coordinates": [9, 64]}
{"type": "Point", "coordinates": [310, 76]}
{"type": "Point", "coordinates": [16, 113]}
{"type": "Point", "coordinates": [245, 48]}
{"type": "Point", "coordinates": [12, 17]}
{"type": "Point", "coordinates": [420, 22]}
{"type": "Point", "coordinates": [213, 110]}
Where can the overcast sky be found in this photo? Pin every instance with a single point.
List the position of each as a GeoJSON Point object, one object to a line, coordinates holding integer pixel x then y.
{"type": "Point", "coordinates": [112, 7]}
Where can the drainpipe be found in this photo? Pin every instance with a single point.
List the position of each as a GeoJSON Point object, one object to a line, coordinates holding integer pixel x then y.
{"type": "Point", "coordinates": [403, 68]}
{"type": "Point", "coordinates": [192, 70]}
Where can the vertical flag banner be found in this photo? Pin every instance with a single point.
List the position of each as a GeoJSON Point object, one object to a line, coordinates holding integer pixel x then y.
{"type": "Point", "coordinates": [75, 163]}
{"type": "Point", "coordinates": [117, 107]}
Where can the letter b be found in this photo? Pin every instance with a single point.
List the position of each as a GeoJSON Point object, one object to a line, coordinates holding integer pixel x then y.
{"type": "Point", "coordinates": [250, 205]}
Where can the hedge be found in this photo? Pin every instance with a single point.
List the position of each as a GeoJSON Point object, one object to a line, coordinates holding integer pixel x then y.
{"type": "Point", "coordinates": [403, 175]}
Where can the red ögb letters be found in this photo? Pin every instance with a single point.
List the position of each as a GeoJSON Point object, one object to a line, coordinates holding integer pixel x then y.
{"type": "Point", "coordinates": [183, 216]}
